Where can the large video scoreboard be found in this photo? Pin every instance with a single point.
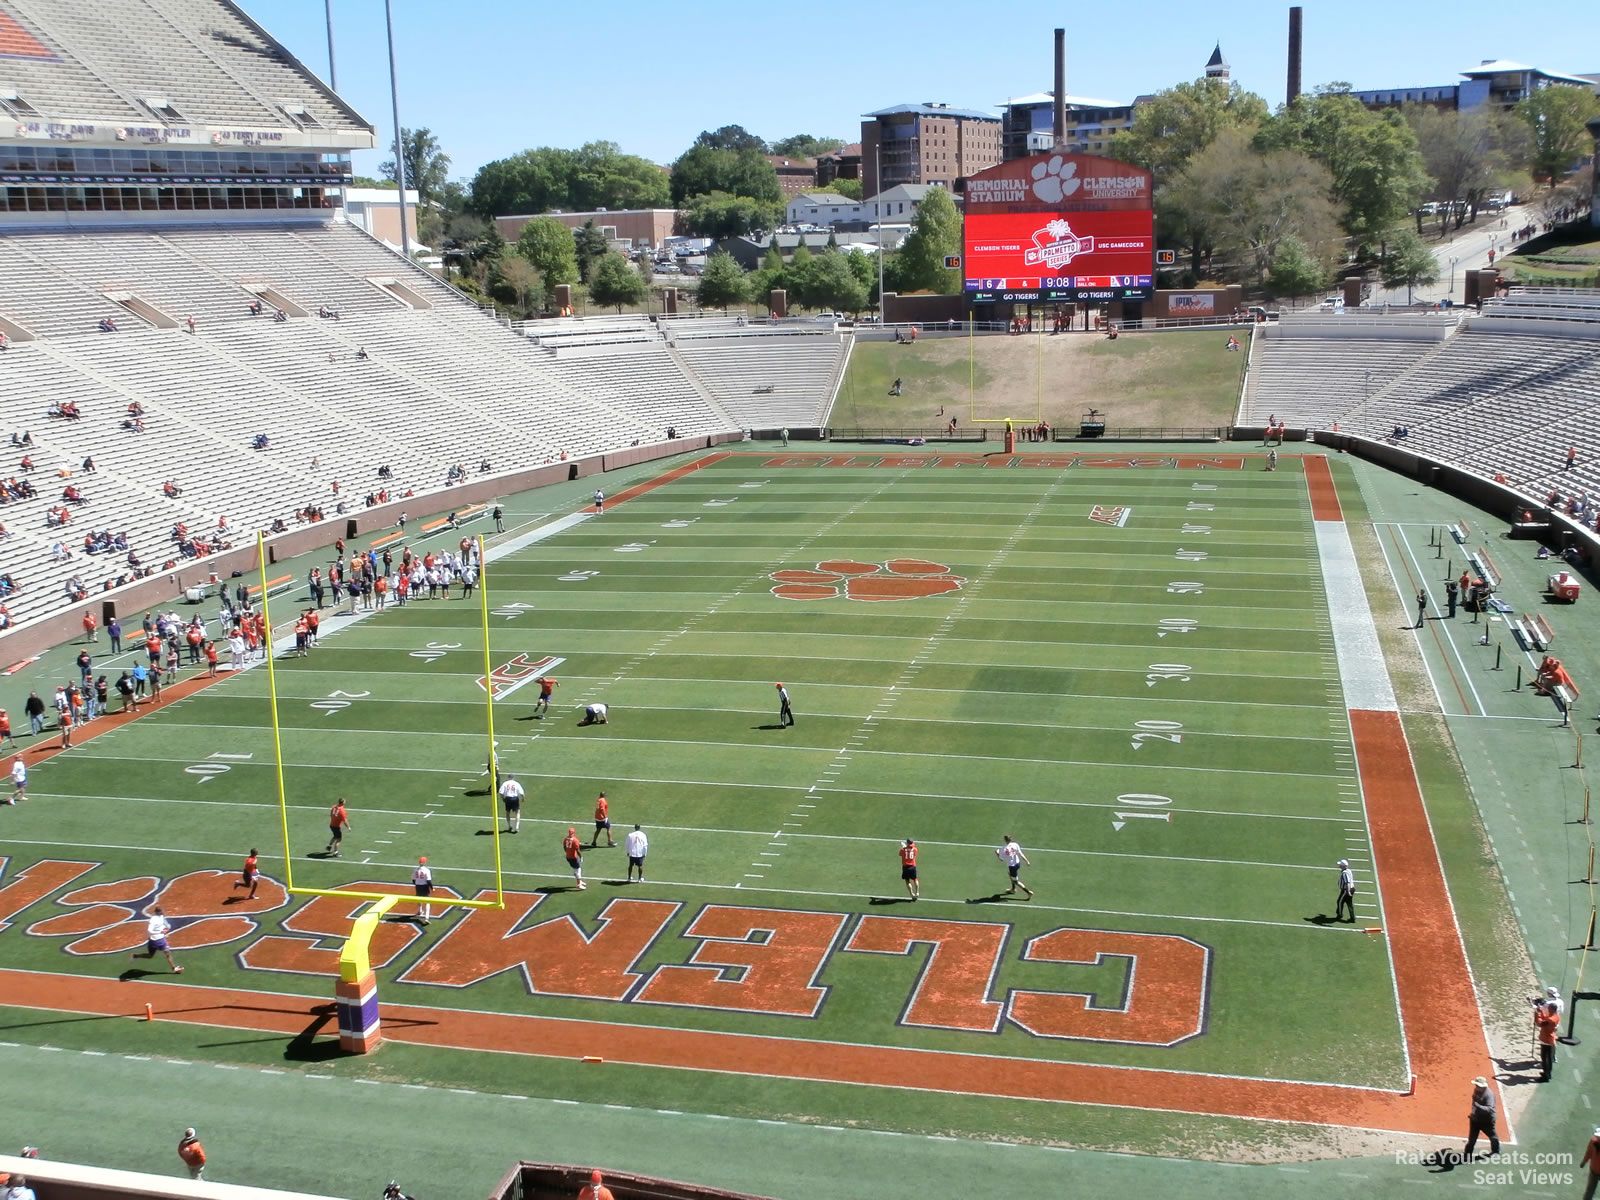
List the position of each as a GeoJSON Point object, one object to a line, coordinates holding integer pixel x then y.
{"type": "Point", "coordinates": [1059, 227]}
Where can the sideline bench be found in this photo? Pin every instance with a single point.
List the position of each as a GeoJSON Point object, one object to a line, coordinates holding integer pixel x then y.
{"type": "Point", "coordinates": [1532, 633]}
{"type": "Point", "coordinates": [463, 516]}
{"type": "Point", "coordinates": [1461, 531]}
{"type": "Point", "coordinates": [1485, 568]}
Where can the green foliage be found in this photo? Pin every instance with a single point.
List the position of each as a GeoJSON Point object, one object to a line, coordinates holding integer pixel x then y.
{"type": "Point", "coordinates": [427, 167]}
{"type": "Point", "coordinates": [918, 266]}
{"type": "Point", "coordinates": [731, 137]}
{"type": "Point", "coordinates": [1556, 117]}
{"type": "Point", "coordinates": [703, 169]}
{"type": "Point", "coordinates": [588, 245]}
{"type": "Point", "coordinates": [1241, 203]}
{"type": "Point", "coordinates": [597, 175]}
{"type": "Point", "coordinates": [1410, 262]}
{"type": "Point", "coordinates": [723, 283]}
{"type": "Point", "coordinates": [366, 181]}
{"type": "Point", "coordinates": [1295, 270]}
{"type": "Point", "coordinates": [1177, 124]}
{"type": "Point", "coordinates": [1467, 153]}
{"type": "Point", "coordinates": [550, 247]}
{"type": "Point", "coordinates": [830, 284]}
{"type": "Point", "coordinates": [520, 281]}
{"type": "Point", "coordinates": [614, 282]}
{"type": "Point", "coordinates": [849, 188]}
{"type": "Point", "coordinates": [803, 145]}
{"type": "Point", "coordinates": [719, 215]}
{"type": "Point", "coordinates": [1378, 173]}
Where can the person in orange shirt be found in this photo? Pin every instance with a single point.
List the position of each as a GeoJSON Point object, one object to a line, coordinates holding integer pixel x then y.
{"type": "Point", "coordinates": [313, 621]}
{"type": "Point", "coordinates": [90, 625]}
{"type": "Point", "coordinates": [602, 820]}
{"type": "Point", "coordinates": [595, 1189]}
{"type": "Point", "coordinates": [5, 729]}
{"type": "Point", "coordinates": [338, 822]}
{"type": "Point", "coordinates": [211, 658]}
{"type": "Point", "coordinates": [1547, 1022]}
{"type": "Point", "coordinates": [247, 878]}
{"type": "Point", "coordinates": [908, 868]}
{"type": "Point", "coordinates": [1591, 1159]}
{"type": "Point", "coordinates": [541, 706]}
{"type": "Point", "coordinates": [192, 1153]}
{"type": "Point", "coordinates": [573, 849]}
{"type": "Point", "coordinates": [65, 721]}
{"type": "Point", "coordinates": [381, 588]}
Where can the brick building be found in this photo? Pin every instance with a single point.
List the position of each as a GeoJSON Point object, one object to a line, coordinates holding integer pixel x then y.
{"type": "Point", "coordinates": [926, 143]}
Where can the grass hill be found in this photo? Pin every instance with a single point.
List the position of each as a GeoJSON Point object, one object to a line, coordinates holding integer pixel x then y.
{"type": "Point", "coordinates": [1155, 379]}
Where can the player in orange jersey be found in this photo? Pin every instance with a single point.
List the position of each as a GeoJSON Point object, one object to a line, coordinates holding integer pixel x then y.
{"type": "Point", "coordinates": [573, 849]}
{"type": "Point", "coordinates": [908, 868]}
{"type": "Point", "coordinates": [248, 877]}
{"type": "Point", "coordinates": [602, 820]}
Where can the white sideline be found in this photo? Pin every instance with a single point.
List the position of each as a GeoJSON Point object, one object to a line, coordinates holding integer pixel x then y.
{"type": "Point", "coordinates": [1355, 636]}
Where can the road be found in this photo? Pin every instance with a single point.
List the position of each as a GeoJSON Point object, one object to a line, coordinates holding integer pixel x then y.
{"type": "Point", "coordinates": [1469, 247]}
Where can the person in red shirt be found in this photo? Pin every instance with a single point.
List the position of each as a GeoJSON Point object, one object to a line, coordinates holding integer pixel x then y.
{"type": "Point", "coordinates": [211, 658]}
{"type": "Point", "coordinates": [573, 849]}
{"type": "Point", "coordinates": [908, 868]}
{"type": "Point", "coordinates": [313, 621]}
{"type": "Point", "coordinates": [602, 820]}
{"type": "Point", "coordinates": [5, 729]}
{"type": "Point", "coordinates": [247, 877]}
{"type": "Point", "coordinates": [595, 1189]}
{"type": "Point", "coordinates": [65, 722]}
{"type": "Point", "coordinates": [338, 822]}
{"type": "Point", "coordinates": [1547, 1021]}
{"type": "Point", "coordinates": [192, 1153]}
{"type": "Point", "coordinates": [90, 625]}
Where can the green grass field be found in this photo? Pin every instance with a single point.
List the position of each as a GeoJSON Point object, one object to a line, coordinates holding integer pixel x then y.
{"type": "Point", "coordinates": [1166, 380]}
{"type": "Point", "coordinates": [1175, 763]}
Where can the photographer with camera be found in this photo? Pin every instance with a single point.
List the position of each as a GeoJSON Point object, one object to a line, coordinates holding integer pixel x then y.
{"type": "Point", "coordinates": [1546, 1024]}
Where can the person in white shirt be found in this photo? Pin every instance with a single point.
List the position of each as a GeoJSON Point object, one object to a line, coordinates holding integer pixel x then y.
{"type": "Point", "coordinates": [1011, 854]}
{"type": "Point", "coordinates": [1347, 892]}
{"type": "Point", "coordinates": [155, 940]}
{"type": "Point", "coordinates": [636, 846]}
{"type": "Point", "coordinates": [19, 780]}
{"type": "Point", "coordinates": [599, 501]}
{"type": "Point", "coordinates": [595, 714]}
{"type": "Point", "coordinates": [422, 881]}
{"type": "Point", "coordinates": [511, 794]}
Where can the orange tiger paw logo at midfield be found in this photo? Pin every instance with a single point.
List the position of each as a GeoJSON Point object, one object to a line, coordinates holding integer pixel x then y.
{"type": "Point", "coordinates": [897, 579]}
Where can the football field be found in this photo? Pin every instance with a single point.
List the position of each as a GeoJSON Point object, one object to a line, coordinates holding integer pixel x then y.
{"type": "Point", "coordinates": [1149, 669]}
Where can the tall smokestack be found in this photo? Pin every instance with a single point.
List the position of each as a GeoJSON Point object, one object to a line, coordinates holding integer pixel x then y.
{"type": "Point", "coordinates": [1059, 120]}
{"type": "Point", "coordinates": [1294, 55]}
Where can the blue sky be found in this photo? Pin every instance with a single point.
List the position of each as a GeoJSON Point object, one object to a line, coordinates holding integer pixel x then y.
{"type": "Point", "coordinates": [491, 77]}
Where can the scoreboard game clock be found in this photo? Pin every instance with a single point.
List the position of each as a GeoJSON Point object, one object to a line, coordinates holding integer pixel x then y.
{"type": "Point", "coordinates": [1059, 227]}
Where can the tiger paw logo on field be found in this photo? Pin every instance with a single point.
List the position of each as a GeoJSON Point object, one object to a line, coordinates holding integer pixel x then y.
{"type": "Point", "coordinates": [1055, 179]}
{"type": "Point", "coordinates": [897, 579]}
{"type": "Point", "coordinates": [203, 908]}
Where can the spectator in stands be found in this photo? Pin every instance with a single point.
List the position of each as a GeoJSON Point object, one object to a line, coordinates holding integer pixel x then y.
{"type": "Point", "coordinates": [361, 354]}
{"type": "Point", "coordinates": [280, 315]}
{"type": "Point", "coordinates": [72, 495]}
{"type": "Point", "coordinates": [134, 425]}
{"type": "Point", "coordinates": [596, 1189]}
{"type": "Point", "coordinates": [107, 325]}
{"type": "Point", "coordinates": [27, 438]}
{"type": "Point", "coordinates": [189, 323]}
{"type": "Point", "coordinates": [27, 462]}
{"type": "Point", "coordinates": [1572, 458]}
{"type": "Point", "coordinates": [171, 490]}
{"type": "Point", "coordinates": [88, 465]}
{"type": "Point", "coordinates": [262, 442]}
{"type": "Point", "coordinates": [255, 307]}
{"type": "Point", "coordinates": [5, 342]}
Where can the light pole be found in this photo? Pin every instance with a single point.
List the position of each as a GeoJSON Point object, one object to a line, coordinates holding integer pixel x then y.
{"type": "Point", "coordinates": [1453, 261]}
{"type": "Point", "coordinates": [333, 72]}
{"type": "Point", "coordinates": [877, 156]}
{"type": "Point", "coordinates": [399, 140]}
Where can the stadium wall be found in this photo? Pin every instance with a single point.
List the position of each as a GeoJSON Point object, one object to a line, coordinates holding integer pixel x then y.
{"type": "Point", "coordinates": [554, 1181]}
{"type": "Point", "coordinates": [166, 587]}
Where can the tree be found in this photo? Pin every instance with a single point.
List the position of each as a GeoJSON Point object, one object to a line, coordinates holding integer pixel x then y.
{"type": "Point", "coordinates": [731, 137]}
{"type": "Point", "coordinates": [1248, 202]}
{"type": "Point", "coordinates": [366, 181]}
{"type": "Point", "coordinates": [549, 246]}
{"type": "Point", "coordinates": [427, 167]}
{"type": "Point", "coordinates": [1410, 262]}
{"type": "Point", "coordinates": [596, 175]}
{"type": "Point", "coordinates": [1378, 175]}
{"type": "Point", "coordinates": [833, 286]}
{"type": "Point", "coordinates": [848, 188]}
{"type": "Point", "coordinates": [701, 170]}
{"type": "Point", "coordinates": [723, 283]}
{"type": "Point", "coordinates": [613, 281]}
{"type": "Point", "coordinates": [771, 274]}
{"type": "Point", "coordinates": [803, 145]}
{"type": "Point", "coordinates": [520, 277]}
{"type": "Point", "coordinates": [588, 245]}
{"type": "Point", "coordinates": [1295, 271]}
{"type": "Point", "coordinates": [935, 233]}
{"type": "Point", "coordinates": [719, 215]}
{"type": "Point", "coordinates": [1468, 153]}
{"type": "Point", "coordinates": [1175, 125]}
{"type": "Point", "coordinates": [1556, 117]}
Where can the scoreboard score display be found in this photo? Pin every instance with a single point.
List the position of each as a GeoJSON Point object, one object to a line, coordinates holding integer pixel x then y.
{"type": "Point", "coordinates": [1059, 227]}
